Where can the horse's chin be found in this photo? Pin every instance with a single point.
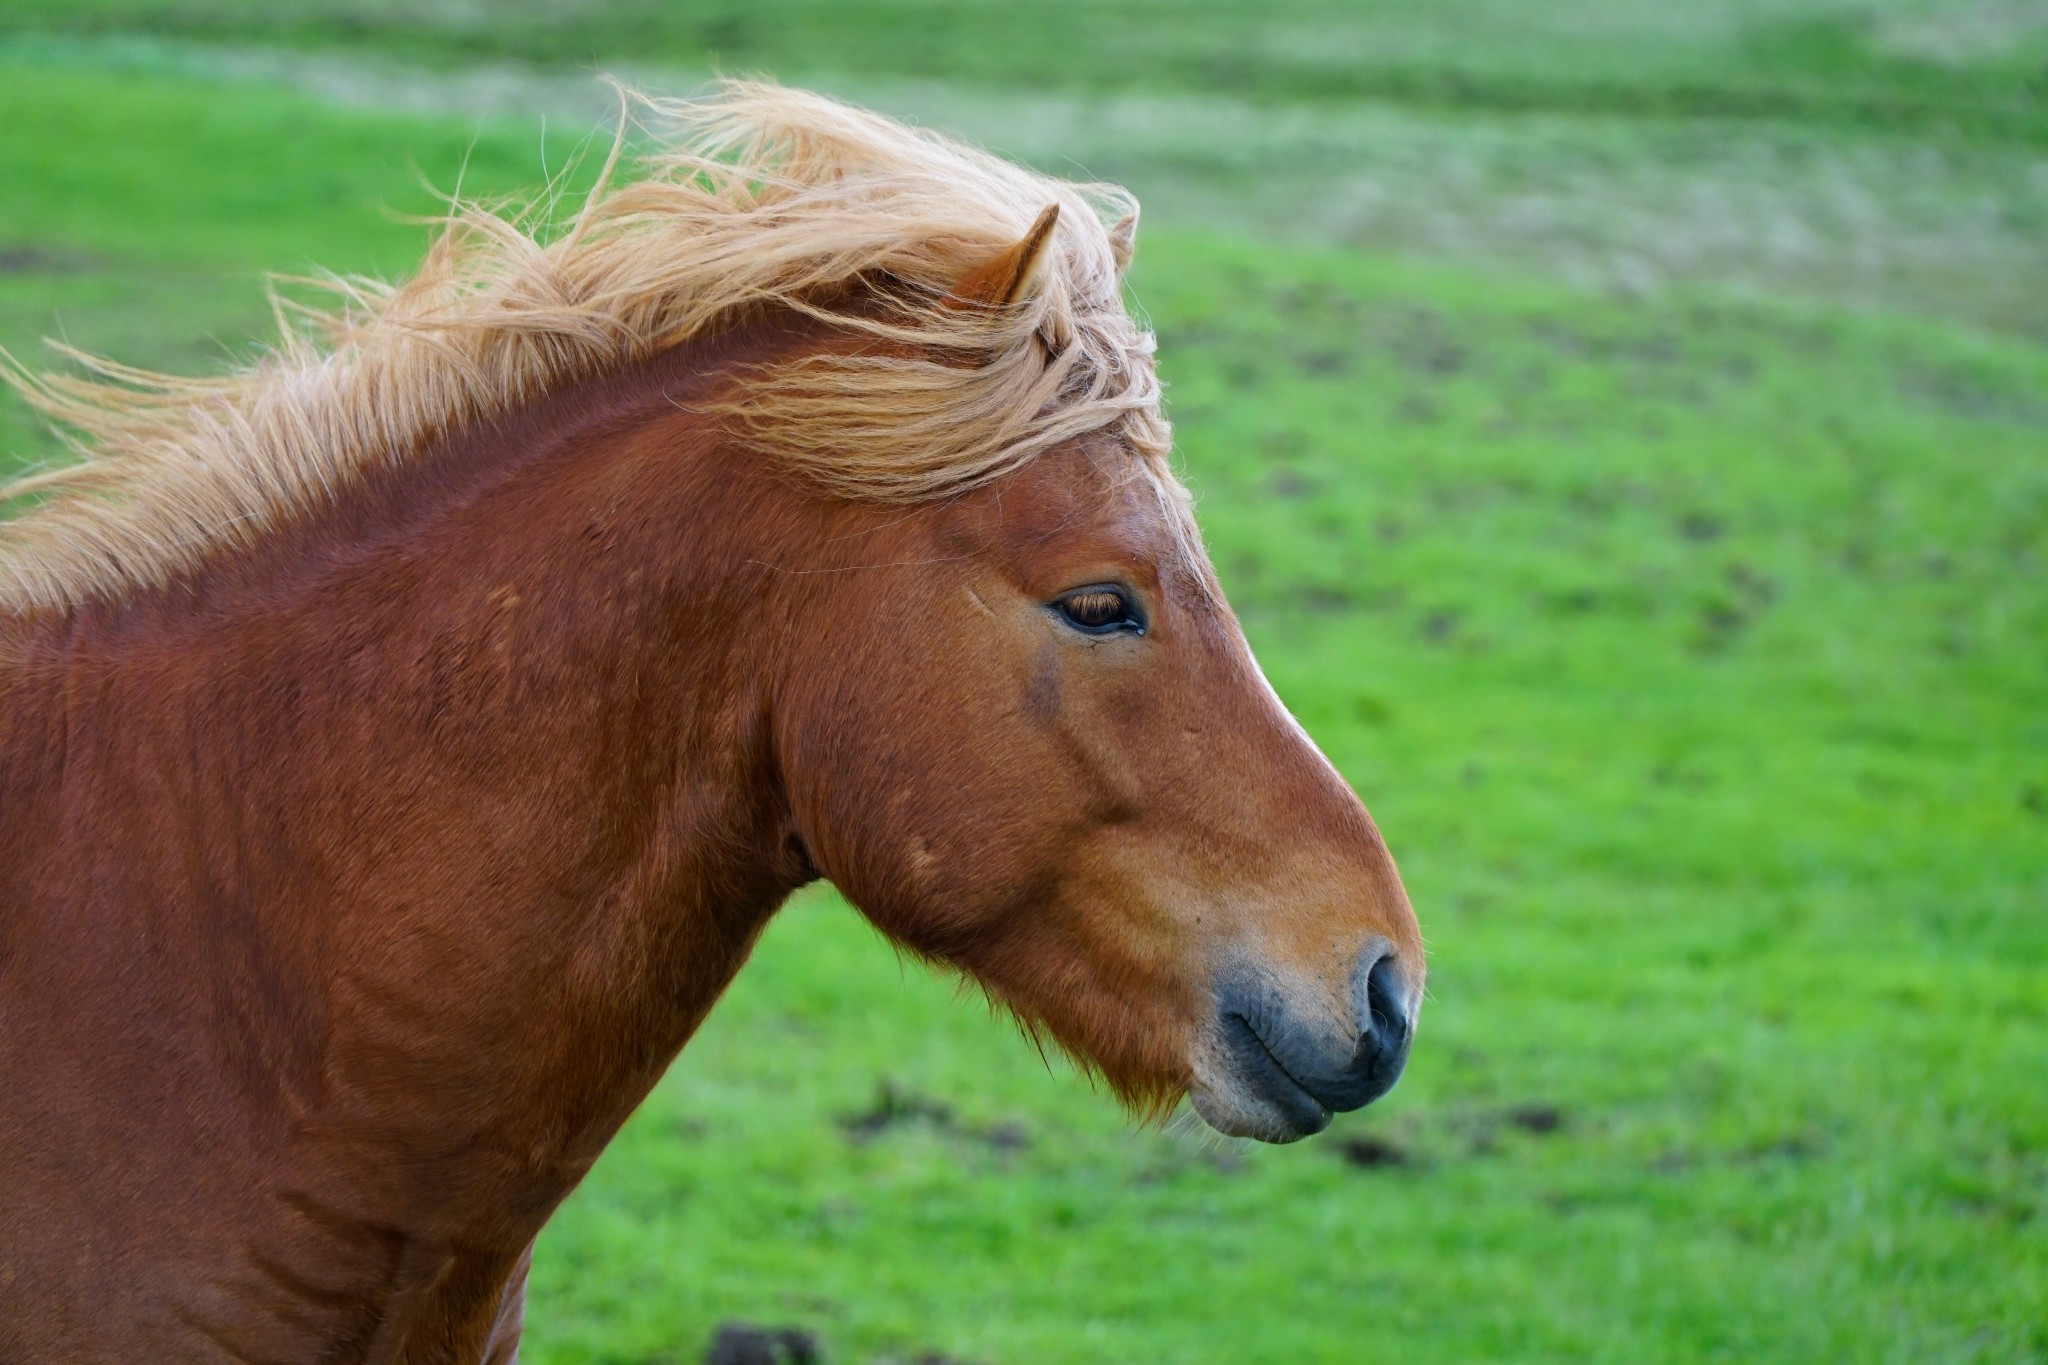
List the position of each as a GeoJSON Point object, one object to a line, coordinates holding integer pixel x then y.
{"type": "Point", "coordinates": [1234, 1113]}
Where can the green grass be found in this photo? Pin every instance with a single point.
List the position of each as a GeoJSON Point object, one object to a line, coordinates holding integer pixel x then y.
{"type": "Point", "coordinates": [1686, 638]}
{"type": "Point", "coordinates": [1970, 65]}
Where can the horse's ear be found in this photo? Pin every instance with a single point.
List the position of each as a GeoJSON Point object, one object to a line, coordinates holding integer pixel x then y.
{"type": "Point", "coordinates": [1123, 240]}
{"type": "Point", "coordinates": [1010, 275]}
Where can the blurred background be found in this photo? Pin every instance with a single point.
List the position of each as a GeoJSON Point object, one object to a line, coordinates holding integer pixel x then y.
{"type": "Point", "coordinates": [1623, 428]}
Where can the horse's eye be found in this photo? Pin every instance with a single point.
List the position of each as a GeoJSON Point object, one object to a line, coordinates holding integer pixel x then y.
{"type": "Point", "coordinates": [1099, 611]}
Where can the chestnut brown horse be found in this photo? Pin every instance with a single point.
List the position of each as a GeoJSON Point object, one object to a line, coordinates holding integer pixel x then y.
{"type": "Point", "coordinates": [403, 741]}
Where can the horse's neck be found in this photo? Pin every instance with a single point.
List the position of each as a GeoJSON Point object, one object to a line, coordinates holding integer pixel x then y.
{"type": "Point", "coordinates": [420, 860]}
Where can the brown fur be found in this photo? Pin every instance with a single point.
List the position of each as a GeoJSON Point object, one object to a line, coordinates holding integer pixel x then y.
{"type": "Point", "coordinates": [357, 882]}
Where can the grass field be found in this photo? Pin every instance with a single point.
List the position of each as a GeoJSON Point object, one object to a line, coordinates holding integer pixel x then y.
{"type": "Point", "coordinates": [1624, 431]}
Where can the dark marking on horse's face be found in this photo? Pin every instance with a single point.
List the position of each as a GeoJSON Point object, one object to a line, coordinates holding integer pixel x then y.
{"type": "Point", "coordinates": [1042, 695]}
{"type": "Point", "coordinates": [1117, 829]}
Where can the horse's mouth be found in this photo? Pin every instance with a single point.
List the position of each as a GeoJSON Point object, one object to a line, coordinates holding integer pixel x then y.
{"type": "Point", "coordinates": [1258, 1097]}
{"type": "Point", "coordinates": [1270, 1079]}
{"type": "Point", "coordinates": [1278, 1074]}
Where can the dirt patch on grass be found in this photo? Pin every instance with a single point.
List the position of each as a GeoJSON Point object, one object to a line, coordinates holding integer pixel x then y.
{"type": "Point", "coordinates": [897, 1106]}
{"type": "Point", "coordinates": [1541, 1119]}
{"type": "Point", "coordinates": [742, 1343]}
{"type": "Point", "coordinates": [29, 258]}
{"type": "Point", "coordinates": [1370, 1152]}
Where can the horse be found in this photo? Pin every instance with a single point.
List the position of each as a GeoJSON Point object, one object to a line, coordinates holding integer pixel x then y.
{"type": "Point", "coordinates": [405, 738]}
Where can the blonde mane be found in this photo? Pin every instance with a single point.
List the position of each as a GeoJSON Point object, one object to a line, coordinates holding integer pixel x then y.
{"type": "Point", "coordinates": [755, 197]}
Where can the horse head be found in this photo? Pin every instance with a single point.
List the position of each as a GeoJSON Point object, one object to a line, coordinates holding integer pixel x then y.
{"type": "Point", "coordinates": [1023, 732]}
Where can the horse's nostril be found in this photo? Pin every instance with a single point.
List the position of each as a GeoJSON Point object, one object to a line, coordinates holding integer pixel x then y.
{"type": "Point", "coordinates": [1386, 998]}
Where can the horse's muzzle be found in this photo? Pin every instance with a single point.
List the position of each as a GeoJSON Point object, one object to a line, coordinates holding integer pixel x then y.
{"type": "Point", "coordinates": [1288, 1070]}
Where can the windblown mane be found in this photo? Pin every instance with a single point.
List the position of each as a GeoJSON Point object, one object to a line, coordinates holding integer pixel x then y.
{"type": "Point", "coordinates": [755, 196]}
